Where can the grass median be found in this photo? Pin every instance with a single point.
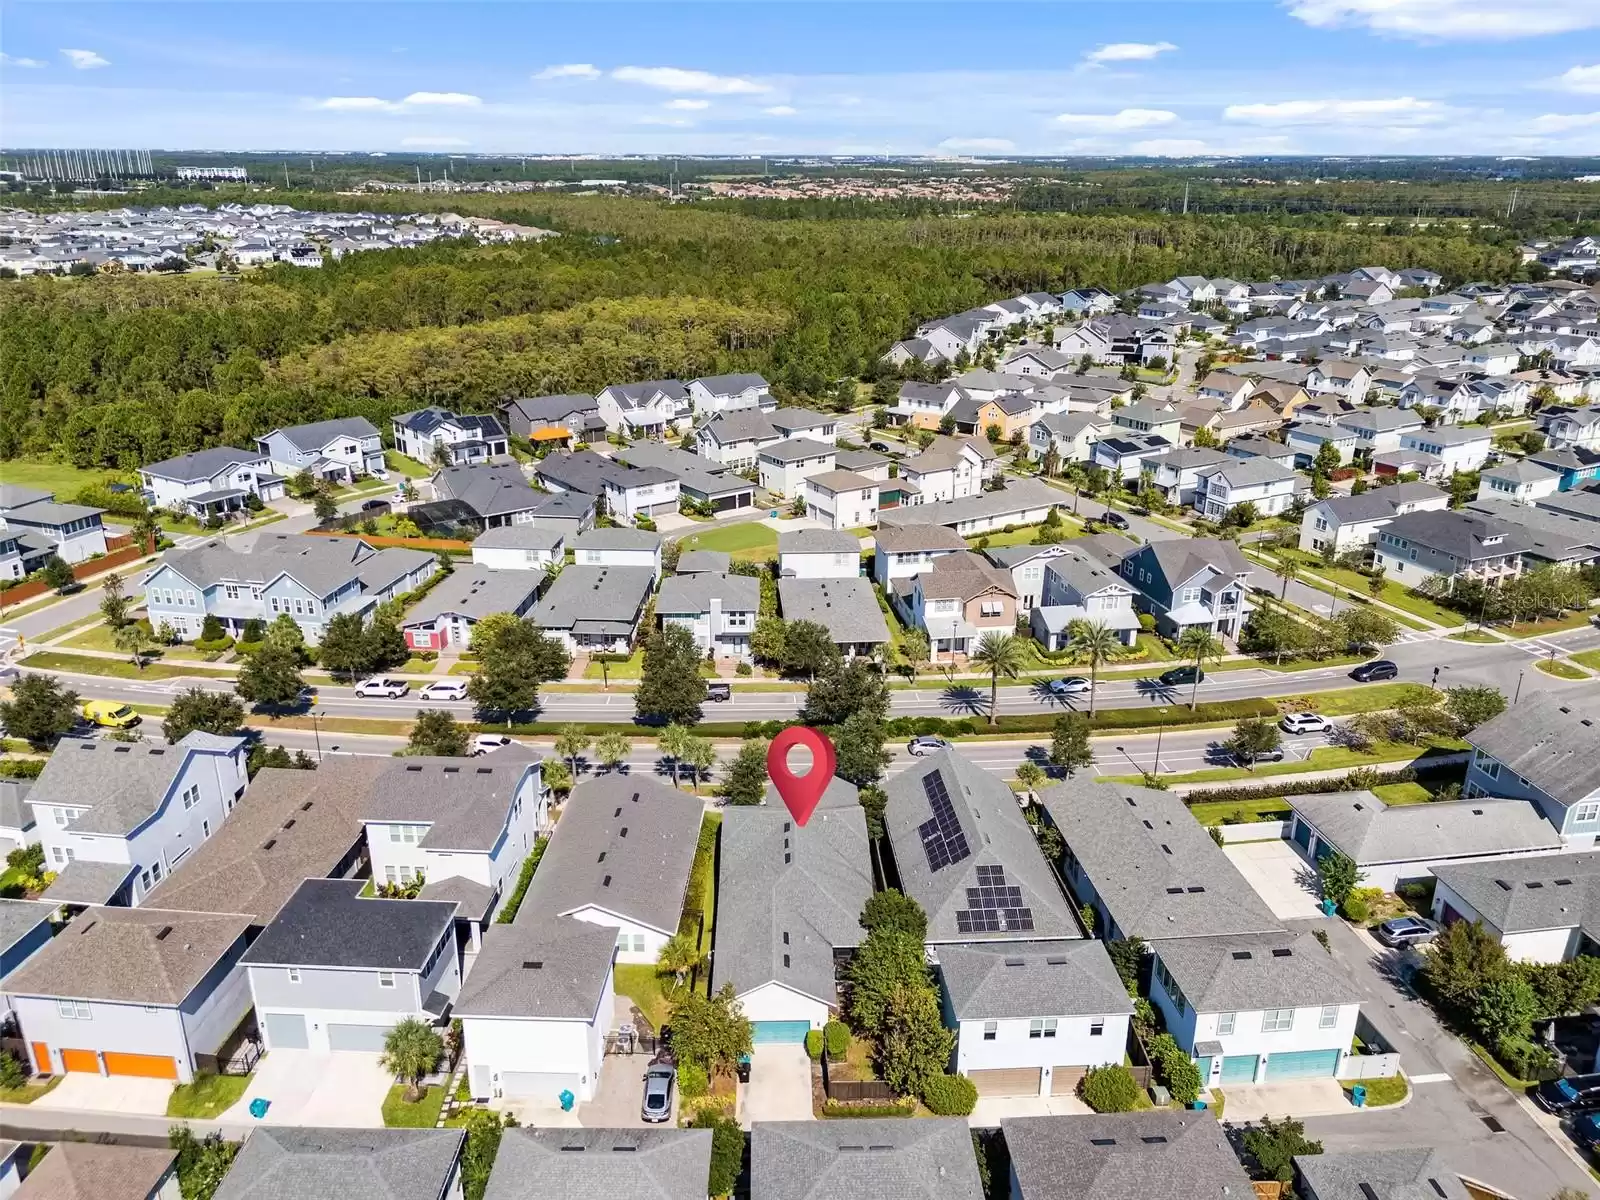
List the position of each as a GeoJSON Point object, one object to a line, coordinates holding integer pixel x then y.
{"type": "Point", "coordinates": [117, 668]}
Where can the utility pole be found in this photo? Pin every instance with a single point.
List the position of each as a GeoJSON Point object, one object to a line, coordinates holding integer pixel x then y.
{"type": "Point", "coordinates": [1186, 199]}
{"type": "Point", "coordinates": [286, 176]}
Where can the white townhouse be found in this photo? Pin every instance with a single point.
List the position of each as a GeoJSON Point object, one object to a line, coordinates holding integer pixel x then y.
{"type": "Point", "coordinates": [734, 438]}
{"type": "Point", "coordinates": [1307, 440]}
{"type": "Point", "coordinates": [1519, 481]}
{"type": "Point", "coordinates": [1349, 522]}
{"type": "Point", "coordinates": [1457, 447]}
{"type": "Point", "coordinates": [115, 818]}
{"type": "Point", "coordinates": [818, 554]}
{"type": "Point", "coordinates": [730, 393]}
{"type": "Point", "coordinates": [1572, 428]}
{"type": "Point", "coordinates": [1540, 907]}
{"type": "Point", "coordinates": [433, 433]}
{"type": "Point", "coordinates": [529, 547]}
{"type": "Point", "coordinates": [340, 449]}
{"type": "Point", "coordinates": [1177, 472]}
{"type": "Point", "coordinates": [1379, 430]}
{"type": "Point", "coordinates": [1031, 1018]}
{"type": "Point", "coordinates": [1073, 434]}
{"type": "Point", "coordinates": [1258, 481]}
{"type": "Point", "coordinates": [718, 610]}
{"type": "Point", "coordinates": [783, 467]}
{"type": "Point", "coordinates": [210, 482]}
{"type": "Point", "coordinates": [950, 469]}
{"type": "Point", "coordinates": [841, 500]}
{"type": "Point", "coordinates": [1493, 358]}
{"type": "Point", "coordinates": [901, 551]}
{"type": "Point", "coordinates": [1255, 1008]}
{"type": "Point", "coordinates": [628, 491]}
{"type": "Point", "coordinates": [618, 547]}
{"type": "Point", "coordinates": [648, 409]}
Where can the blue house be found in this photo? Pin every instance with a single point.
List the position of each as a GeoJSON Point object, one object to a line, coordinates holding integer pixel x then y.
{"type": "Point", "coordinates": [1193, 582]}
{"type": "Point", "coordinates": [1578, 467]}
{"type": "Point", "coordinates": [1545, 749]}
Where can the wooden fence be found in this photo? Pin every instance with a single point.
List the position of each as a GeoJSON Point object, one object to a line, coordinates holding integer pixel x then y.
{"type": "Point", "coordinates": [855, 1090]}
{"type": "Point", "coordinates": [127, 552]}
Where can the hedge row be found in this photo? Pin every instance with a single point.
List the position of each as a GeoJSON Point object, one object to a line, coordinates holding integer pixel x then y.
{"type": "Point", "coordinates": [839, 1108]}
{"type": "Point", "coordinates": [1356, 780]}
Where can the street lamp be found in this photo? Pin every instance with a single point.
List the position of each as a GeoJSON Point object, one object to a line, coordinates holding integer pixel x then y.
{"type": "Point", "coordinates": [1518, 695]}
{"type": "Point", "coordinates": [316, 729]}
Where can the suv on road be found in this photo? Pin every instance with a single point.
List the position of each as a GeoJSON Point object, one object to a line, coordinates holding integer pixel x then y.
{"type": "Point", "coordinates": [488, 743]}
{"type": "Point", "coordinates": [1378, 668]}
{"type": "Point", "coordinates": [445, 689]}
{"type": "Point", "coordinates": [1180, 676]}
{"type": "Point", "coordinates": [1114, 519]}
{"type": "Point", "coordinates": [386, 686]}
{"type": "Point", "coordinates": [926, 744]}
{"type": "Point", "coordinates": [1303, 722]}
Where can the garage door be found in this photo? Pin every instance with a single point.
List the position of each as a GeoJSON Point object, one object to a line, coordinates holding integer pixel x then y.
{"type": "Point", "coordinates": [356, 1037]}
{"type": "Point", "coordinates": [779, 1033]}
{"type": "Point", "coordinates": [80, 1060]}
{"type": "Point", "coordinates": [287, 1031]}
{"type": "Point", "coordinates": [1302, 1064]}
{"type": "Point", "coordinates": [1009, 1081]}
{"type": "Point", "coordinates": [539, 1085]}
{"type": "Point", "coordinates": [1239, 1068]}
{"type": "Point", "coordinates": [1064, 1080]}
{"type": "Point", "coordinates": [144, 1066]}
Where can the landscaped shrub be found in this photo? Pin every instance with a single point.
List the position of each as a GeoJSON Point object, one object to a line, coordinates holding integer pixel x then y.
{"type": "Point", "coordinates": [1418, 893]}
{"type": "Point", "coordinates": [693, 1082]}
{"type": "Point", "coordinates": [1174, 1068]}
{"type": "Point", "coordinates": [1525, 1059]}
{"type": "Point", "coordinates": [12, 1073]}
{"type": "Point", "coordinates": [1357, 780]}
{"type": "Point", "coordinates": [1358, 904]}
{"type": "Point", "coordinates": [836, 1036]}
{"type": "Point", "coordinates": [813, 1044]}
{"type": "Point", "coordinates": [839, 1108]}
{"type": "Point", "coordinates": [1109, 1089]}
{"type": "Point", "coordinates": [215, 647]}
{"type": "Point", "coordinates": [950, 1095]}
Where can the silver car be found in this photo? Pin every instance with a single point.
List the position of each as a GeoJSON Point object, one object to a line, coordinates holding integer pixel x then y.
{"type": "Point", "coordinates": [659, 1081]}
{"type": "Point", "coordinates": [926, 744]}
{"type": "Point", "coordinates": [1072, 685]}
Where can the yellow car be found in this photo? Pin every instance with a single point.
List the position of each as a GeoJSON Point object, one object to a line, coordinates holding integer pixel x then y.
{"type": "Point", "coordinates": [109, 714]}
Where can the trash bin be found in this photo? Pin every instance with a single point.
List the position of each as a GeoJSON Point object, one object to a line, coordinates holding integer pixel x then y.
{"type": "Point", "coordinates": [567, 1100]}
{"type": "Point", "coordinates": [259, 1106]}
{"type": "Point", "coordinates": [1199, 1105]}
{"type": "Point", "coordinates": [1328, 906]}
{"type": "Point", "coordinates": [1358, 1095]}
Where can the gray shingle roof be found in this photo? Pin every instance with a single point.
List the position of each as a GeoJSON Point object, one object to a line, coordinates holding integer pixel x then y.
{"type": "Point", "coordinates": [18, 918]}
{"type": "Point", "coordinates": [85, 882]}
{"type": "Point", "coordinates": [468, 801]}
{"type": "Point", "coordinates": [326, 923]}
{"type": "Point", "coordinates": [1411, 1173]}
{"type": "Point", "coordinates": [740, 425]}
{"type": "Point", "coordinates": [1016, 496]}
{"type": "Point", "coordinates": [1247, 972]}
{"type": "Point", "coordinates": [996, 834]}
{"type": "Point", "coordinates": [800, 418]}
{"type": "Point", "coordinates": [818, 541]}
{"type": "Point", "coordinates": [1541, 891]}
{"type": "Point", "coordinates": [202, 464]}
{"type": "Point", "coordinates": [321, 564]}
{"type": "Point", "coordinates": [617, 1164]}
{"type": "Point", "coordinates": [471, 898]}
{"type": "Point", "coordinates": [616, 537]}
{"type": "Point", "coordinates": [1369, 831]}
{"type": "Point", "coordinates": [1548, 535]}
{"type": "Point", "coordinates": [796, 449]}
{"type": "Point", "coordinates": [695, 562]}
{"type": "Point", "coordinates": [15, 812]}
{"type": "Point", "coordinates": [1550, 739]}
{"type": "Point", "coordinates": [847, 608]}
{"type": "Point", "coordinates": [488, 489]}
{"type": "Point", "coordinates": [122, 784]}
{"type": "Point", "coordinates": [788, 895]}
{"type": "Point", "coordinates": [695, 593]}
{"type": "Point", "coordinates": [1181, 559]}
{"type": "Point", "coordinates": [591, 473]}
{"type": "Point", "coordinates": [304, 1163]}
{"type": "Point", "coordinates": [580, 593]}
{"type": "Point", "coordinates": [644, 831]}
{"type": "Point", "coordinates": [1379, 503]}
{"type": "Point", "coordinates": [1466, 536]}
{"type": "Point", "coordinates": [999, 981]}
{"type": "Point", "coordinates": [89, 1171]}
{"type": "Point", "coordinates": [1248, 472]}
{"type": "Point", "coordinates": [1159, 1155]}
{"type": "Point", "coordinates": [551, 969]}
{"type": "Point", "coordinates": [881, 1159]}
{"type": "Point", "coordinates": [521, 536]}
{"type": "Point", "coordinates": [1155, 869]}
{"type": "Point", "coordinates": [913, 539]}
{"type": "Point", "coordinates": [319, 433]}
{"type": "Point", "coordinates": [729, 385]}
{"type": "Point", "coordinates": [476, 591]}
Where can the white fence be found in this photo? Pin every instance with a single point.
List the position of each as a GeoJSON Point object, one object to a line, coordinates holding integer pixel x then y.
{"type": "Point", "coordinates": [1255, 831]}
{"type": "Point", "coordinates": [1369, 1066]}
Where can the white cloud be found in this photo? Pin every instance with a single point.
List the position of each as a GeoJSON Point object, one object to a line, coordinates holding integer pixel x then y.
{"type": "Point", "coordinates": [1128, 118]}
{"type": "Point", "coordinates": [85, 60]}
{"type": "Point", "coordinates": [677, 79]}
{"type": "Point", "coordinates": [669, 122]}
{"type": "Point", "coordinates": [1563, 122]}
{"type": "Point", "coordinates": [437, 143]}
{"type": "Point", "coordinates": [979, 145]}
{"type": "Point", "coordinates": [1579, 79]}
{"type": "Point", "coordinates": [688, 105]}
{"type": "Point", "coordinates": [780, 110]}
{"type": "Point", "coordinates": [443, 99]}
{"type": "Point", "coordinates": [1172, 147]}
{"type": "Point", "coordinates": [1128, 52]}
{"type": "Point", "coordinates": [7, 61]}
{"type": "Point", "coordinates": [355, 104]}
{"type": "Point", "coordinates": [1440, 20]}
{"type": "Point", "coordinates": [1398, 109]}
{"type": "Point", "coordinates": [570, 71]}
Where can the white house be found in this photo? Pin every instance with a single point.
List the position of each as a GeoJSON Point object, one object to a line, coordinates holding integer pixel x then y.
{"type": "Point", "coordinates": [340, 449]}
{"type": "Point", "coordinates": [783, 467]}
{"type": "Point", "coordinates": [1457, 447]}
{"type": "Point", "coordinates": [647, 409]}
{"type": "Point", "coordinates": [449, 614]}
{"type": "Point", "coordinates": [628, 491]}
{"type": "Point", "coordinates": [1538, 907]}
{"type": "Point", "coordinates": [1307, 440]}
{"type": "Point", "coordinates": [1519, 481]}
{"type": "Point", "coordinates": [950, 469]}
{"type": "Point", "coordinates": [901, 551]}
{"type": "Point", "coordinates": [1255, 1008]}
{"type": "Point", "coordinates": [120, 816]}
{"type": "Point", "coordinates": [718, 610]}
{"type": "Point", "coordinates": [1073, 434]}
{"type": "Point", "coordinates": [431, 433]}
{"type": "Point", "coordinates": [734, 438]}
{"type": "Point", "coordinates": [1177, 471]}
{"type": "Point", "coordinates": [527, 547]}
{"type": "Point", "coordinates": [841, 500]}
{"type": "Point", "coordinates": [730, 393]}
{"type": "Point", "coordinates": [210, 482]}
{"type": "Point", "coordinates": [1348, 522]}
{"type": "Point", "coordinates": [618, 547]}
{"type": "Point", "coordinates": [1493, 358]}
{"type": "Point", "coordinates": [1380, 429]}
{"type": "Point", "coordinates": [1258, 481]}
{"type": "Point", "coordinates": [818, 554]}
{"type": "Point", "coordinates": [1032, 1017]}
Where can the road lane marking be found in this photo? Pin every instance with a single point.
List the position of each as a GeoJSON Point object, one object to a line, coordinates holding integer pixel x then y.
{"type": "Point", "coordinates": [1439, 1077]}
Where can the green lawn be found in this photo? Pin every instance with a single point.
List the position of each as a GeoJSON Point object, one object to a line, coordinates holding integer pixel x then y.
{"type": "Point", "coordinates": [1561, 670]}
{"type": "Point", "coordinates": [1393, 593]}
{"type": "Point", "coordinates": [1243, 812]}
{"type": "Point", "coordinates": [29, 1092]}
{"type": "Point", "coordinates": [1324, 758]}
{"type": "Point", "coordinates": [424, 1114]}
{"type": "Point", "coordinates": [633, 668]}
{"type": "Point", "coordinates": [1527, 629]}
{"type": "Point", "coordinates": [401, 465]}
{"type": "Point", "coordinates": [62, 479]}
{"type": "Point", "coordinates": [118, 668]}
{"type": "Point", "coordinates": [1402, 793]}
{"type": "Point", "coordinates": [750, 541]}
{"type": "Point", "coordinates": [639, 983]}
{"type": "Point", "coordinates": [1587, 658]}
{"type": "Point", "coordinates": [1369, 697]}
{"type": "Point", "coordinates": [1474, 635]}
{"type": "Point", "coordinates": [1023, 536]}
{"type": "Point", "coordinates": [207, 1097]}
{"type": "Point", "coordinates": [98, 637]}
{"type": "Point", "coordinates": [1381, 1092]}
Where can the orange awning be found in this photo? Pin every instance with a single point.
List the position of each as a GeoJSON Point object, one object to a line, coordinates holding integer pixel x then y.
{"type": "Point", "coordinates": [549, 433]}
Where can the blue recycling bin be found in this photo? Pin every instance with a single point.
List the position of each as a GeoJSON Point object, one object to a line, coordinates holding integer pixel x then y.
{"type": "Point", "coordinates": [1358, 1095]}
{"type": "Point", "coordinates": [259, 1106]}
{"type": "Point", "coordinates": [567, 1100]}
{"type": "Point", "coordinates": [1198, 1105]}
{"type": "Point", "coordinates": [1328, 906]}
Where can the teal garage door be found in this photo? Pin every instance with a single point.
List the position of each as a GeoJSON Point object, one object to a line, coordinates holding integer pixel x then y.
{"type": "Point", "coordinates": [1302, 835]}
{"type": "Point", "coordinates": [775, 1033]}
{"type": "Point", "coordinates": [1302, 1064]}
{"type": "Point", "coordinates": [1239, 1068]}
{"type": "Point", "coordinates": [1203, 1065]}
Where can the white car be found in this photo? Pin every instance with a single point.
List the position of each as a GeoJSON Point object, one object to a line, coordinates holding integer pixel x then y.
{"type": "Point", "coordinates": [1072, 685]}
{"type": "Point", "coordinates": [445, 689]}
{"type": "Point", "coordinates": [1303, 722]}
{"type": "Point", "coordinates": [386, 686]}
{"type": "Point", "coordinates": [488, 743]}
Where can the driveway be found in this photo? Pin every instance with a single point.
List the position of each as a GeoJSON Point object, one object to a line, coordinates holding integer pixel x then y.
{"type": "Point", "coordinates": [108, 1093]}
{"type": "Point", "coordinates": [1301, 1097]}
{"type": "Point", "coordinates": [1286, 882]}
{"type": "Point", "coordinates": [305, 1087]}
{"type": "Point", "coordinates": [991, 1109]}
{"type": "Point", "coordinates": [616, 1101]}
{"type": "Point", "coordinates": [780, 1085]}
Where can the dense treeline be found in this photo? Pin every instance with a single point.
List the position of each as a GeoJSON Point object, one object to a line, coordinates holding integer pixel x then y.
{"type": "Point", "coordinates": [117, 370]}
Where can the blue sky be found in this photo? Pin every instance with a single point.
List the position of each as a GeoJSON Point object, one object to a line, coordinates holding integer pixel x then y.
{"type": "Point", "coordinates": [1114, 77]}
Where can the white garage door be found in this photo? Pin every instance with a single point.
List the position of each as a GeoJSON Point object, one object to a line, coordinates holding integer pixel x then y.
{"type": "Point", "coordinates": [1006, 1081]}
{"type": "Point", "coordinates": [286, 1031]}
{"type": "Point", "coordinates": [538, 1085]}
{"type": "Point", "coordinates": [356, 1037]}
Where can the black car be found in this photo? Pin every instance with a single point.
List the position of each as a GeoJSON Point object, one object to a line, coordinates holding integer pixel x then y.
{"type": "Point", "coordinates": [1586, 1132]}
{"type": "Point", "coordinates": [1574, 1094]}
{"type": "Point", "coordinates": [1380, 668]}
{"type": "Point", "coordinates": [375, 506]}
{"type": "Point", "coordinates": [1115, 519]}
{"type": "Point", "coordinates": [880, 447]}
{"type": "Point", "coordinates": [1179, 676]}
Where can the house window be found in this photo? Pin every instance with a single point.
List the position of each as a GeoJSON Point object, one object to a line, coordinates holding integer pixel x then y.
{"type": "Point", "coordinates": [992, 608]}
{"type": "Point", "coordinates": [386, 979]}
{"type": "Point", "coordinates": [1489, 767]}
{"type": "Point", "coordinates": [294, 974]}
{"type": "Point", "coordinates": [638, 943]}
{"type": "Point", "coordinates": [191, 797]}
{"type": "Point", "coordinates": [1329, 1018]}
{"type": "Point", "coordinates": [1587, 811]}
{"type": "Point", "coordinates": [1191, 595]}
{"type": "Point", "coordinates": [1097, 1028]}
{"type": "Point", "coordinates": [73, 1010]}
{"type": "Point", "coordinates": [1277, 1020]}
{"type": "Point", "coordinates": [1225, 1023]}
{"type": "Point", "coordinates": [991, 1030]}
{"type": "Point", "coordinates": [1044, 1027]}
{"type": "Point", "coordinates": [155, 870]}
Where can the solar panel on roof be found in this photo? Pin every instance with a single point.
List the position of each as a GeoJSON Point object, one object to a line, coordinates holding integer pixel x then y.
{"type": "Point", "coordinates": [993, 906]}
{"type": "Point", "coordinates": [942, 839]}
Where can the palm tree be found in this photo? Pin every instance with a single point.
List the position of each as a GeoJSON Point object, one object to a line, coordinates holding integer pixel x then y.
{"type": "Point", "coordinates": [572, 741]}
{"type": "Point", "coordinates": [1200, 646]}
{"type": "Point", "coordinates": [671, 741]}
{"type": "Point", "coordinates": [701, 755]}
{"type": "Point", "coordinates": [612, 749]}
{"type": "Point", "coordinates": [680, 954]}
{"type": "Point", "coordinates": [410, 1051]}
{"type": "Point", "coordinates": [1098, 643]}
{"type": "Point", "coordinates": [1287, 570]}
{"type": "Point", "coordinates": [131, 639]}
{"type": "Point", "coordinates": [1004, 655]}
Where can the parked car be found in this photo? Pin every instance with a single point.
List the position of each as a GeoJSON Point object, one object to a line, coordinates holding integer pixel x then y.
{"type": "Point", "coordinates": [1304, 723]}
{"type": "Point", "coordinates": [445, 689]}
{"type": "Point", "coordinates": [488, 743]}
{"type": "Point", "coordinates": [386, 686]}
{"type": "Point", "coordinates": [110, 714]}
{"type": "Point", "coordinates": [719, 691]}
{"type": "Point", "coordinates": [659, 1082]}
{"type": "Point", "coordinates": [1115, 519]}
{"type": "Point", "coordinates": [1072, 685]}
{"type": "Point", "coordinates": [1265, 756]}
{"type": "Point", "coordinates": [1380, 668]}
{"type": "Point", "coordinates": [1586, 1132]}
{"type": "Point", "coordinates": [375, 506]}
{"type": "Point", "coordinates": [880, 447]}
{"type": "Point", "coordinates": [1574, 1094]}
{"type": "Point", "coordinates": [926, 744]}
{"type": "Point", "coordinates": [1180, 676]}
{"type": "Point", "coordinates": [1401, 932]}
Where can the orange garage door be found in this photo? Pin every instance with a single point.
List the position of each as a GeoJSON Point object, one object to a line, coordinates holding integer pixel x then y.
{"type": "Point", "coordinates": [146, 1066]}
{"type": "Point", "coordinates": [80, 1060]}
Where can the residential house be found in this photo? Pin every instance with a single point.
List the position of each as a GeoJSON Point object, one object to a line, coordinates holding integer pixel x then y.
{"type": "Point", "coordinates": [1151, 418]}
{"type": "Point", "coordinates": [789, 901]}
{"type": "Point", "coordinates": [1254, 417]}
{"type": "Point", "coordinates": [1031, 1018]}
{"type": "Point", "coordinates": [1157, 1155]}
{"type": "Point", "coordinates": [339, 450]}
{"type": "Point", "coordinates": [700, 480]}
{"type": "Point", "coordinates": [1393, 464]}
{"type": "Point", "coordinates": [1073, 434]}
{"type": "Point", "coordinates": [486, 495]}
{"type": "Point", "coordinates": [730, 393]}
{"type": "Point", "coordinates": [1399, 1174]}
{"type": "Point", "coordinates": [950, 469]}
{"type": "Point", "coordinates": [966, 854]}
{"type": "Point", "coordinates": [956, 601]}
{"type": "Point", "coordinates": [847, 608]}
{"type": "Point", "coordinates": [1079, 585]}
{"type": "Point", "coordinates": [818, 554]}
{"type": "Point", "coordinates": [210, 483]}
{"type": "Point", "coordinates": [1255, 1007]}
{"type": "Point", "coordinates": [1579, 470]}
{"type": "Point", "coordinates": [1380, 429]}
{"type": "Point", "coordinates": [652, 408]}
{"type": "Point", "coordinates": [42, 527]}
{"type": "Point", "coordinates": [1518, 481]}
{"type": "Point", "coordinates": [803, 422]}
{"type": "Point", "coordinates": [1146, 867]}
{"type": "Point", "coordinates": [841, 499]}
{"type": "Point", "coordinates": [449, 613]}
{"type": "Point", "coordinates": [923, 405]}
{"type": "Point", "coordinates": [335, 971]}
{"type": "Point", "coordinates": [1039, 361]}
{"type": "Point", "coordinates": [1544, 749]}
{"type": "Point", "coordinates": [1553, 539]}
{"type": "Point", "coordinates": [1307, 440]}
{"type": "Point", "coordinates": [701, 562]}
{"type": "Point", "coordinates": [1127, 456]}
{"type": "Point", "coordinates": [1020, 502]}
{"type": "Point", "coordinates": [1008, 413]}
{"type": "Point", "coordinates": [929, 1159]}
{"type": "Point", "coordinates": [1027, 567]}
{"type": "Point", "coordinates": [1088, 301]}
{"type": "Point", "coordinates": [1419, 545]}
{"type": "Point", "coordinates": [1232, 390]}
{"type": "Point", "coordinates": [26, 926]}
{"type": "Point", "coordinates": [616, 546]}
{"type": "Point", "coordinates": [627, 491]}
{"type": "Point", "coordinates": [437, 435]}
{"type": "Point", "coordinates": [262, 576]}
{"type": "Point", "coordinates": [784, 467]}
{"type": "Point", "coordinates": [1254, 446]}
{"type": "Point", "coordinates": [1256, 481]}
{"type": "Point", "coordinates": [17, 826]}
{"type": "Point", "coordinates": [91, 1171]}
{"type": "Point", "coordinates": [622, 1164]}
{"type": "Point", "coordinates": [901, 551]}
{"type": "Point", "coordinates": [1351, 522]}
{"type": "Point", "coordinates": [1571, 427]}
{"type": "Point", "coordinates": [563, 419]}
{"type": "Point", "coordinates": [719, 611]}
{"type": "Point", "coordinates": [1541, 908]}
{"type": "Point", "coordinates": [1457, 447]}
{"type": "Point", "coordinates": [346, 1164]}
{"type": "Point", "coordinates": [115, 818]}
{"type": "Point", "coordinates": [1198, 582]}
{"type": "Point", "coordinates": [734, 438]}
{"type": "Point", "coordinates": [1092, 338]}
{"type": "Point", "coordinates": [590, 609]}
{"type": "Point", "coordinates": [521, 547]}
{"type": "Point", "coordinates": [1339, 377]}
{"type": "Point", "coordinates": [1175, 472]}
{"type": "Point", "coordinates": [1492, 359]}
{"type": "Point", "coordinates": [133, 992]}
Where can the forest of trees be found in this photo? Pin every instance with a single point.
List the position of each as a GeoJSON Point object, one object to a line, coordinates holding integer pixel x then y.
{"type": "Point", "coordinates": [115, 371]}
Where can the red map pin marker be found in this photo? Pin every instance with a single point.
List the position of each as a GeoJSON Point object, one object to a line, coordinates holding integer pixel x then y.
{"type": "Point", "coordinates": [801, 793]}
